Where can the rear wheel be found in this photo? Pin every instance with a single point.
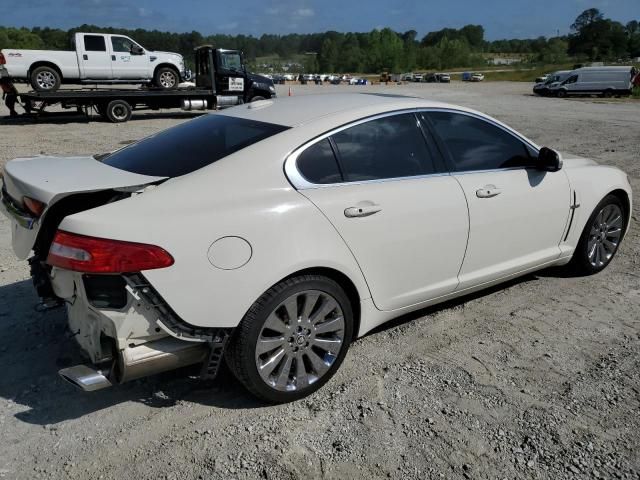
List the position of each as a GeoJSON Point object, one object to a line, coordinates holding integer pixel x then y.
{"type": "Point", "coordinates": [601, 236]}
{"type": "Point", "coordinates": [45, 79]}
{"type": "Point", "coordinates": [608, 94]}
{"type": "Point", "coordinates": [293, 339]}
{"type": "Point", "coordinates": [118, 111]}
{"type": "Point", "coordinates": [166, 78]}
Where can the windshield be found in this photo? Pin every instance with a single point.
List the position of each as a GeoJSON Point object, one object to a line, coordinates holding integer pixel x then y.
{"type": "Point", "coordinates": [190, 146]}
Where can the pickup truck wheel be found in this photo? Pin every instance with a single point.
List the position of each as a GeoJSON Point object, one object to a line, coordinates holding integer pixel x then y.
{"type": "Point", "coordinates": [166, 78]}
{"type": "Point", "coordinates": [293, 338]}
{"type": "Point", "coordinates": [257, 98]}
{"type": "Point", "coordinates": [118, 111]}
{"type": "Point", "coordinates": [45, 79]}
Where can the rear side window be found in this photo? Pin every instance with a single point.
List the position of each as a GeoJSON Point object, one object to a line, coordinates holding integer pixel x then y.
{"type": "Point", "coordinates": [318, 164]}
{"type": "Point", "coordinates": [388, 147]}
{"type": "Point", "coordinates": [476, 144]}
{"type": "Point", "coordinates": [94, 43]}
{"type": "Point", "coordinates": [190, 146]}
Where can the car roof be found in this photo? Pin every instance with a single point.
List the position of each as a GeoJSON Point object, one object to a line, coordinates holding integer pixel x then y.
{"type": "Point", "coordinates": [299, 110]}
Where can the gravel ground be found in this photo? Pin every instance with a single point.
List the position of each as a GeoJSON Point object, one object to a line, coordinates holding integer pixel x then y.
{"type": "Point", "coordinates": [539, 378]}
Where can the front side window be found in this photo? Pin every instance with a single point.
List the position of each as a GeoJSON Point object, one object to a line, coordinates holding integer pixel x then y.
{"type": "Point", "coordinates": [121, 44]}
{"type": "Point", "coordinates": [475, 144]}
{"type": "Point", "coordinates": [572, 79]}
{"type": "Point", "coordinates": [191, 145]}
{"type": "Point", "coordinates": [94, 43]}
{"type": "Point", "coordinates": [388, 147]}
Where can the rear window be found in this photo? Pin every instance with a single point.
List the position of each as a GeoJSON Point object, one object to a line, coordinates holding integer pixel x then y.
{"type": "Point", "coordinates": [190, 146]}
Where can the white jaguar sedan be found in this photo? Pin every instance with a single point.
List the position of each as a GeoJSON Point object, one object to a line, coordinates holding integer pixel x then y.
{"type": "Point", "coordinates": [275, 233]}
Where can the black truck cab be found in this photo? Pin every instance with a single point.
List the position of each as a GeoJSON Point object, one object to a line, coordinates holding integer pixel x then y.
{"type": "Point", "coordinates": [225, 73]}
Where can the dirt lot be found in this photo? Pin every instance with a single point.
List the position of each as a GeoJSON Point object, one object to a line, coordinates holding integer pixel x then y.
{"type": "Point", "coordinates": [539, 378]}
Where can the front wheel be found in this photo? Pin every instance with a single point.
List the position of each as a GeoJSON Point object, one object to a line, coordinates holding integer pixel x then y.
{"type": "Point", "coordinates": [293, 339]}
{"type": "Point", "coordinates": [166, 78]}
{"type": "Point", "coordinates": [601, 237]}
{"type": "Point", "coordinates": [561, 94]}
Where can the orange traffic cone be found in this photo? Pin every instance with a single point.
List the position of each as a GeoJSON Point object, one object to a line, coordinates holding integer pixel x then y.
{"type": "Point", "coordinates": [290, 94]}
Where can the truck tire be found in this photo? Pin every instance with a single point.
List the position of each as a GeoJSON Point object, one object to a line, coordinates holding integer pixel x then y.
{"type": "Point", "coordinates": [118, 111]}
{"type": "Point", "coordinates": [45, 79]}
{"type": "Point", "coordinates": [257, 98]}
{"type": "Point", "coordinates": [166, 78]}
{"type": "Point", "coordinates": [561, 93]}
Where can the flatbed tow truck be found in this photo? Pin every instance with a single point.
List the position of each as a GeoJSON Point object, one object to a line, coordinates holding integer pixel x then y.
{"type": "Point", "coordinates": [221, 80]}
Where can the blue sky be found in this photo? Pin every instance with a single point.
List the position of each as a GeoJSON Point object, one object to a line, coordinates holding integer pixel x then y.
{"type": "Point", "coordinates": [501, 18]}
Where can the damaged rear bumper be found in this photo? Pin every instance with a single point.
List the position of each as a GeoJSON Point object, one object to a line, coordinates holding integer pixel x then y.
{"type": "Point", "coordinates": [129, 332]}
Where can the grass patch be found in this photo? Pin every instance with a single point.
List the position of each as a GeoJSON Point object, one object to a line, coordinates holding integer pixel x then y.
{"type": "Point", "coordinates": [635, 93]}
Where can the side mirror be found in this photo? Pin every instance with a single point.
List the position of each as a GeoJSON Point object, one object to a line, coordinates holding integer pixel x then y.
{"type": "Point", "coordinates": [137, 50]}
{"type": "Point", "coordinates": [549, 160]}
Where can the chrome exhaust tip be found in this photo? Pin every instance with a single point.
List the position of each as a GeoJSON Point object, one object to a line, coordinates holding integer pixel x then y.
{"type": "Point", "coordinates": [85, 378]}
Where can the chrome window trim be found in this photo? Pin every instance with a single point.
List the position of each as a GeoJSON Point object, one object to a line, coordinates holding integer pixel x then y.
{"type": "Point", "coordinates": [300, 183]}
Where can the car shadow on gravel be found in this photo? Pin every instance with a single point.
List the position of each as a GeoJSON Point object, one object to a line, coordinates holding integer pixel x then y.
{"type": "Point", "coordinates": [35, 345]}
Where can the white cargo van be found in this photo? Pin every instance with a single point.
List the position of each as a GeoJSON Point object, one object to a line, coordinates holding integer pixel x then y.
{"type": "Point", "coordinates": [605, 81]}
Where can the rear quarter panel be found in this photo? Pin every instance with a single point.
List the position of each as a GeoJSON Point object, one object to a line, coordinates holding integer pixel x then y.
{"type": "Point", "coordinates": [19, 62]}
{"type": "Point", "coordinates": [244, 195]}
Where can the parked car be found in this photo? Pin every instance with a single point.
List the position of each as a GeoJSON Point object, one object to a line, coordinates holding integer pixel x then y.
{"type": "Point", "coordinates": [417, 77]}
{"type": "Point", "coordinates": [552, 81]}
{"type": "Point", "coordinates": [605, 81]}
{"type": "Point", "coordinates": [477, 77]}
{"type": "Point", "coordinates": [97, 58]}
{"type": "Point", "coordinates": [437, 78]}
{"type": "Point", "coordinates": [275, 233]}
{"type": "Point", "coordinates": [466, 76]}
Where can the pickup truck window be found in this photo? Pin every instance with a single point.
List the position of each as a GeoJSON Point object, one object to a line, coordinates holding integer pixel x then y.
{"type": "Point", "coordinates": [121, 44]}
{"type": "Point", "coordinates": [94, 43]}
{"type": "Point", "coordinates": [190, 146]}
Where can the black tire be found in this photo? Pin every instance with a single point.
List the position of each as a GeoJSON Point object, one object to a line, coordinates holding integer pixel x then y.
{"type": "Point", "coordinates": [608, 94]}
{"type": "Point", "coordinates": [257, 98]}
{"type": "Point", "coordinates": [166, 78]}
{"type": "Point", "coordinates": [241, 352]}
{"type": "Point", "coordinates": [561, 94]}
{"type": "Point", "coordinates": [45, 79]}
{"type": "Point", "coordinates": [580, 262]}
{"type": "Point", "coordinates": [118, 111]}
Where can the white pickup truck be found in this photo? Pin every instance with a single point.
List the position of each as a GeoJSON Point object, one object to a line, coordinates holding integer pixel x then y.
{"type": "Point", "coordinates": [98, 58]}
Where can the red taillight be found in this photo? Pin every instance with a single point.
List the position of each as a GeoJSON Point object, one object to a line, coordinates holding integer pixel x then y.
{"type": "Point", "coordinates": [3, 61]}
{"type": "Point", "coordinates": [101, 255]}
{"type": "Point", "coordinates": [34, 206]}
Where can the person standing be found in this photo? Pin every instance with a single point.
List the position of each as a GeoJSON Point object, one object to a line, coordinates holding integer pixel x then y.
{"type": "Point", "coordinates": [9, 95]}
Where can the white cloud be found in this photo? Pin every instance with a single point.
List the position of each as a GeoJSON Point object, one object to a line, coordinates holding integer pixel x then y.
{"type": "Point", "coordinates": [305, 12]}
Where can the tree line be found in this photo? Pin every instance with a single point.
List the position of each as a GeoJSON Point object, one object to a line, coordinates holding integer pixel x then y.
{"type": "Point", "coordinates": [593, 37]}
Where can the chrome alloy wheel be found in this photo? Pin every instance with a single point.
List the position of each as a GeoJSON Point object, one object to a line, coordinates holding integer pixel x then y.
{"type": "Point", "coordinates": [46, 80]}
{"type": "Point", "coordinates": [604, 236]}
{"type": "Point", "coordinates": [300, 340]}
{"type": "Point", "coordinates": [167, 80]}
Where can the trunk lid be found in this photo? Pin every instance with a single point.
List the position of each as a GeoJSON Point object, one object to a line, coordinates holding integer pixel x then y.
{"type": "Point", "coordinates": [49, 180]}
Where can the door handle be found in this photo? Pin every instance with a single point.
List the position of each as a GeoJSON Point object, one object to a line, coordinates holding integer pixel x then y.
{"type": "Point", "coordinates": [361, 211]}
{"type": "Point", "coordinates": [488, 191]}
{"type": "Point", "coordinates": [85, 57]}
{"type": "Point", "coordinates": [113, 57]}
